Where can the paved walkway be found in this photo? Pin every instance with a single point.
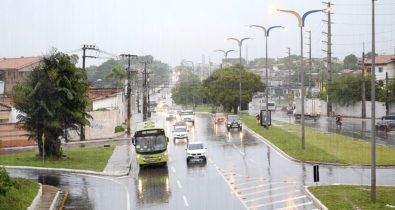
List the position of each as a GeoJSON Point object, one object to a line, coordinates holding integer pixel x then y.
{"type": "Point", "coordinates": [48, 195]}
{"type": "Point", "coordinates": [120, 161]}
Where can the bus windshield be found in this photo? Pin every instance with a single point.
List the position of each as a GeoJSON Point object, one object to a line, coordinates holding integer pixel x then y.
{"type": "Point", "coordinates": [150, 144]}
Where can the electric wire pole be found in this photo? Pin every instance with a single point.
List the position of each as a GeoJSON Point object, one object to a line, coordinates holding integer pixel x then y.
{"type": "Point", "coordinates": [289, 73]}
{"type": "Point", "coordinates": [373, 114]}
{"type": "Point", "coordinates": [363, 84]}
{"type": "Point", "coordinates": [310, 62]}
{"type": "Point", "coordinates": [145, 90]}
{"type": "Point", "coordinates": [84, 48]}
{"type": "Point", "coordinates": [329, 57]}
{"type": "Point", "coordinates": [129, 89]}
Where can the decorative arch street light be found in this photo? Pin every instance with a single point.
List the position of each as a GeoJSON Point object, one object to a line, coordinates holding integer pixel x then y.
{"type": "Point", "coordinates": [267, 32]}
{"type": "Point", "coordinates": [240, 43]}
{"type": "Point", "coordinates": [301, 23]}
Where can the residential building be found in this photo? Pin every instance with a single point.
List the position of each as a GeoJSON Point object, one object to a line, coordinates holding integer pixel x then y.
{"type": "Point", "coordinates": [15, 70]}
{"type": "Point", "coordinates": [384, 64]}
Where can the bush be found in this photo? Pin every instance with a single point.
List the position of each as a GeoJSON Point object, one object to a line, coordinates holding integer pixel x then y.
{"type": "Point", "coordinates": [119, 128]}
{"type": "Point", "coordinates": [102, 109]}
{"type": "Point", "coordinates": [6, 183]}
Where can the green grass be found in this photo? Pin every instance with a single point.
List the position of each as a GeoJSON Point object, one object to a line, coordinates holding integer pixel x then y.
{"type": "Point", "coordinates": [202, 108]}
{"type": "Point", "coordinates": [92, 158]}
{"type": "Point", "coordinates": [319, 146]}
{"type": "Point", "coordinates": [19, 198]}
{"type": "Point", "coordinates": [353, 197]}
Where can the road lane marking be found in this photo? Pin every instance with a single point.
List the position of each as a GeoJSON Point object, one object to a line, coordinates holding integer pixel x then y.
{"type": "Point", "coordinates": [274, 189]}
{"type": "Point", "coordinates": [185, 201]}
{"type": "Point", "coordinates": [296, 206]}
{"type": "Point", "coordinates": [173, 169]}
{"type": "Point", "coordinates": [179, 184]}
{"type": "Point", "coordinates": [241, 152]}
{"type": "Point", "coordinates": [281, 201]}
{"type": "Point", "coordinates": [270, 196]}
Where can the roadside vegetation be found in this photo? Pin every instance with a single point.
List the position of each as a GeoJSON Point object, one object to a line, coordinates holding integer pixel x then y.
{"type": "Point", "coordinates": [92, 158]}
{"type": "Point", "coordinates": [16, 193]}
{"type": "Point", "coordinates": [354, 197]}
{"type": "Point", "coordinates": [320, 146]}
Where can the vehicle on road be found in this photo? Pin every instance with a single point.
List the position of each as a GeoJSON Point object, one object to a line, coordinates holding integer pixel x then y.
{"type": "Point", "coordinates": [312, 109]}
{"type": "Point", "coordinates": [196, 150]}
{"type": "Point", "coordinates": [188, 116]}
{"type": "Point", "coordinates": [170, 115]}
{"type": "Point", "coordinates": [219, 117]}
{"type": "Point", "coordinates": [150, 142]}
{"type": "Point", "coordinates": [180, 124]}
{"type": "Point", "coordinates": [385, 125]}
{"type": "Point", "coordinates": [271, 105]}
{"type": "Point", "coordinates": [390, 116]}
{"type": "Point", "coordinates": [180, 132]}
{"type": "Point", "coordinates": [233, 121]}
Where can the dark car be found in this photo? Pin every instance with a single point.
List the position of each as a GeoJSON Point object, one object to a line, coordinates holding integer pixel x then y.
{"type": "Point", "coordinates": [385, 125]}
{"type": "Point", "coordinates": [390, 116]}
{"type": "Point", "coordinates": [233, 121]}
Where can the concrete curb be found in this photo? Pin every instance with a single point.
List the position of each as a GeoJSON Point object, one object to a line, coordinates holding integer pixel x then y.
{"type": "Point", "coordinates": [37, 199]}
{"type": "Point", "coordinates": [52, 207]}
{"type": "Point", "coordinates": [314, 199]}
{"type": "Point", "coordinates": [285, 155]}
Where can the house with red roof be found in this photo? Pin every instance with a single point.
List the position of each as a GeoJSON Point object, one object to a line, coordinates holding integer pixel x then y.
{"type": "Point", "coordinates": [16, 70]}
{"type": "Point", "coordinates": [384, 64]}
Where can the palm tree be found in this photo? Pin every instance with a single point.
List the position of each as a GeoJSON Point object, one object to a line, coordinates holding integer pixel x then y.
{"type": "Point", "coordinates": [118, 74]}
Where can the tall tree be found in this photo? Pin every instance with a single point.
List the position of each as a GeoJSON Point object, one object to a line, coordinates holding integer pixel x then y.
{"type": "Point", "coordinates": [52, 100]}
{"type": "Point", "coordinates": [187, 87]}
{"type": "Point", "coordinates": [351, 62]}
{"type": "Point", "coordinates": [222, 87]}
{"type": "Point", "coordinates": [118, 74]}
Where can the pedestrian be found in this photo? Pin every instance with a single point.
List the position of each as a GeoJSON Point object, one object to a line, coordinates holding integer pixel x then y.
{"type": "Point", "coordinates": [258, 118]}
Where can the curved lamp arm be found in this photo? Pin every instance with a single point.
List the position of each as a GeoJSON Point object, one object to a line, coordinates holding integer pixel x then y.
{"type": "Point", "coordinates": [294, 13]}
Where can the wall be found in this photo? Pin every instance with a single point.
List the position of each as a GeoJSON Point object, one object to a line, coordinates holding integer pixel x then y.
{"type": "Point", "coordinates": [12, 136]}
{"type": "Point", "coordinates": [356, 109]}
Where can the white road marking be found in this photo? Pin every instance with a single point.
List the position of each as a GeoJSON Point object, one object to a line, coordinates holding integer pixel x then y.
{"type": "Point", "coordinates": [295, 206]}
{"type": "Point", "coordinates": [285, 200]}
{"type": "Point", "coordinates": [173, 169]}
{"type": "Point", "coordinates": [179, 184]}
{"type": "Point", "coordinates": [257, 192]}
{"type": "Point", "coordinates": [185, 201]}
{"type": "Point", "coordinates": [270, 196]}
{"type": "Point", "coordinates": [241, 152]}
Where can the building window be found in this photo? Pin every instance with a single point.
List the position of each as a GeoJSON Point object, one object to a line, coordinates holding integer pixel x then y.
{"type": "Point", "coordinates": [369, 70]}
{"type": "Point", "coordinates": [380, 69]}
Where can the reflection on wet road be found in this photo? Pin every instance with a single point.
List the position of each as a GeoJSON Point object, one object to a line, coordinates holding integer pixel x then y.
{"type": "Point", "coordinates": [241, 172]}
{"type": "Point", "coordinates": [353, 127]}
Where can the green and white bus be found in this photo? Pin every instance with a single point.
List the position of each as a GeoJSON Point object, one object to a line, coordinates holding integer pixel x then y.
{"type": "Point", "coordinates": [150, 142]}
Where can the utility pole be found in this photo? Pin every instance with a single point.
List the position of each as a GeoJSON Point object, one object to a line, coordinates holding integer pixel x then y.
{"type": "Point", "coordinates": [329, 56]}
{"type": "Point", "coordinates": [145, 90]}
{"type": "Point", "coordinates": [84, 48]}
{"type": "Point", "coordinates": [363, 84]}
{"type": "Point", "coordinates": [128, 92]}
{"type": "Point", "coordinates": [310, 62]}
{"type": "Point", "coordinates": [373, 113]}
{"type": "Point", "coordinates": [289, 73]}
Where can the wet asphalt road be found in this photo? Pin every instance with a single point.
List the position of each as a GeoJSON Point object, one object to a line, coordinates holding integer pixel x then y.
{"type": "Point", "coordinates": [241, 172]}
{"type": "Point", "coordinates": [353, 127]}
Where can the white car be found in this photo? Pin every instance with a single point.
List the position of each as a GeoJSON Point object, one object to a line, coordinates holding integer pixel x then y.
{"type": "Point", "coordinates": [180, 132]}
{"type": "Point", "coordinates": [196, 150]}
{"type": "Point", "coordinates": [188, 116]}
{"type": "Point", "coordinates": [170, 115]}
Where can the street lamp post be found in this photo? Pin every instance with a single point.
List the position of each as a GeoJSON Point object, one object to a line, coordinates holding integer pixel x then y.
{"type": "Point", "coordinates": [301, 20]}
{"type": "Point", "coordinates": [193, 72]}
{"type": "Point", "coordinates": [240, 43]}
{"type": "Point", "coordinates": [225, 55]}
{"type": "Point", "coordinates": [267, 31]}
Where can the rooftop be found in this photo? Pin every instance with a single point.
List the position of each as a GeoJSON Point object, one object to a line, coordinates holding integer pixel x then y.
{"type": "Point", "coordinates": [18, 63]}
{"type": "Point", "coordinates": [382, 59]}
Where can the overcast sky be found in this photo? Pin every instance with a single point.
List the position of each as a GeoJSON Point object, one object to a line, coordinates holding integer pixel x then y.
{"type": "Point", "coordinates": [172, 30]}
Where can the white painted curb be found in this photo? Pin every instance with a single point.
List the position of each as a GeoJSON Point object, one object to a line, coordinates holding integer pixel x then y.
{"type": "Point", "coordinates": [314, 199]}
{"type": "Point", "coordinates": [37, 199]}
{"type": "Point", "coordinates": [52, 207]}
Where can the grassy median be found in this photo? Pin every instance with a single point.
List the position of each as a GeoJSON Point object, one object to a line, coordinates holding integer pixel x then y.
{"type": "Point", "coordinates": [19, 197]}
{"type": "Point", "coordinates": [354, 197]}
{"type": "Point", "coordinates": [319, 146]}
{"type": "Point", "coordinates": [92, 158]}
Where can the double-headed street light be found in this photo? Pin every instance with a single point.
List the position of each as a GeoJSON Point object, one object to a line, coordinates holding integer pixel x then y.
{"type": "Point", "coordinates": [193, 72]}
{"type": "Point", "coordinates": [225, 55]}
{"type": "Point", "coordinates": [267, 31]}
{"type": "Point", "coordinates": [240, 43]}
{"type": "Point", "coordinates": [301, 20]}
